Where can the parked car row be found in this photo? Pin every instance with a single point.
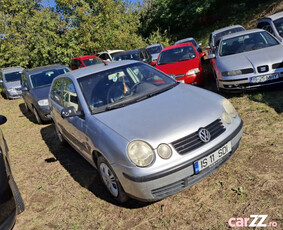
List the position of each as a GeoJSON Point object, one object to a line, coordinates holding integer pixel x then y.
{"type": "Point", "coordinates": [117, 113]}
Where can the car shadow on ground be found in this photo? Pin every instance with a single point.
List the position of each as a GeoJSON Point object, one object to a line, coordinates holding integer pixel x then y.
{"type": "Point", "coordinates": [80, 169]}
{"type": "Point", "coordinates": [28, 114]}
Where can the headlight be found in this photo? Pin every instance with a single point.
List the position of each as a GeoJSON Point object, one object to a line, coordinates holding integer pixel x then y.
{"type": "Point", "coordinates": [11, 90]}
{"type": "Point", "coordinates": [226, 117]}
{"type": "Point", "coordinates": [43, 102]}
{"type": "Point", "coordinates": [193, 71]}
{"type": "Point", "coordinates": [140, 153]}
{"type": "Point", "coordinates": [164, 151]}
{"type": "Point", "coordinates": [229, 108]}
{"type": "Point", "coordinates": [231, 73]}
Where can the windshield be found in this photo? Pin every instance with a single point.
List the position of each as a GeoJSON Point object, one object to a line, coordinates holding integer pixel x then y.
{"type": "Point", "coordinates": [218, 36]}
{"type": "Point", "coordinates": [176, 55]}
{"type": "Point", "coordinates": [15, 76]}
{"type": "Point", "coordinates": [127, 56]}
{"type": "Point", "coordinates": [245, 43]}
{"type": "Point", "coordinates": [154, 49]}
{"type": "Point", "coordinates": [189, 40]}
{"type": "Point", "coordinates": [92, 61]}
{"type": "Point", "coordinates": [123, 85]}
{"type": "Point", "coordinates": [279, 26]}
{"type": "Point", "coordinates": [45, 77]}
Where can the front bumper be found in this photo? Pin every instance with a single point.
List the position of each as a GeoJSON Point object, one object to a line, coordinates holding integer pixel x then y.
{"type": "Point", "coordinates": [173, 180]}
{"type": "Point", "coordinates": [193, 79]}
{"type": "Point", "coordinates": [14, 94]}
{"type": "Point", "coordinates": [44, 113]}
{"type": "Point", "coordinates": [244, 83]}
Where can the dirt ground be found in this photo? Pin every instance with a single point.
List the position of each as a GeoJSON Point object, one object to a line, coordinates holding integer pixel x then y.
{"type": "Point", "coordinates": [62, 191]}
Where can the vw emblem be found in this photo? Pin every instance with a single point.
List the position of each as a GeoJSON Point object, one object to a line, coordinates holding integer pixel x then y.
{"type": "Point", "coordinates": [204, 135]}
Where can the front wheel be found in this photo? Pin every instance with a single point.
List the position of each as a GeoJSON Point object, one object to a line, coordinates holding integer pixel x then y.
{"type": "Point", "coordinates": [110, 180]}
{"type": "Point", "coordinates": [37, 117]}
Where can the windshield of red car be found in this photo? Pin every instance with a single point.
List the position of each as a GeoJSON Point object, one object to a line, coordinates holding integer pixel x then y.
{"type": "Point", "coordinates": [92, 61]}
{"type": "Point", "coordinates": [246, 42]}
{"type": "Point", "coordinates": [176, 55]}
{"type": "Point", "coordinates": [120, 86]}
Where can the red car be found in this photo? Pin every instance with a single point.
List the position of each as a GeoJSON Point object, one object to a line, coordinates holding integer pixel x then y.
{"type": "Point", "coordinates": [182, 62]}
{"type": "Point", "coordinates": [83, 61]}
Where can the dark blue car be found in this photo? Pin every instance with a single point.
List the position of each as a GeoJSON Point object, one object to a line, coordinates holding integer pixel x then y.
{"type": "Point", "coordinates": [11, 202]}
{"type": "Point", "coordinates": [35, 89]}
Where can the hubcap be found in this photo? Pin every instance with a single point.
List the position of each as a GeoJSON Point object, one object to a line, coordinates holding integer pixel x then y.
{"type": "Point", "coordinates": [109, 179]}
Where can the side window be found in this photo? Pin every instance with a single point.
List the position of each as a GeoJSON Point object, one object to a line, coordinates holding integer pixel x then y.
{"type": "Point", "coordinates": [24, 80]}
{"type": "Point", "coordinates": [70, 97]}
{"type": "Point", "coordinates": [56, 92]}
{"type": "Point", "coordinates": [104, 56]}
{"type": "Point", "coordinates": [79, 63]}
{"type": "Point", "coordinates": [266, 26]}
{"type": "Point", "coordinates": [1, 77]}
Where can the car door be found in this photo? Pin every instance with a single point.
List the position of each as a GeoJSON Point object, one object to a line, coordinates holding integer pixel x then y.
{"type": "Point", "coordinates": [26, 94]}
{"type": "Point", "coordinates": [73, 128]}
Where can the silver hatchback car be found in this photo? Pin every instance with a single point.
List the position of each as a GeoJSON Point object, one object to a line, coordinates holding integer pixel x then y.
{"type": "Point", "coordinates": [148, 135]}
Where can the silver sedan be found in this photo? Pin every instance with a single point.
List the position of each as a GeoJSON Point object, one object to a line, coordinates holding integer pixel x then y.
{"type": "Point", "coordinates": [148, 135]}
{"type": "Point", "coordinates": [247, 59]}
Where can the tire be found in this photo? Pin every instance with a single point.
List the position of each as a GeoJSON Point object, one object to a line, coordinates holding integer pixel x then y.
{"type": "Point", "coordinates": [110, 180]}
{"type": "Point", "coordinates": [59, 135]}
{"type": "Point", "coordinates": [26, 107]}
{"type": "Point", "coordinates": [37, 117]}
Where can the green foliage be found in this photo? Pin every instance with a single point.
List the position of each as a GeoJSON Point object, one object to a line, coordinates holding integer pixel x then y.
{"type": "Point", "coordinates": [156, 37]}
{"type": "Point", "coordinates": [33, 35]}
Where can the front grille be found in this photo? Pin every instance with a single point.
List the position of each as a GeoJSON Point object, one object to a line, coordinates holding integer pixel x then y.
{"type": "Point", "coordinates": [192, 141]}
{"type": "Point", "coordinates": [169, 189]}
{"type": "Point", "coordinates": [262, 69]}
{"type": "Point", "coordinates": [277, 65]}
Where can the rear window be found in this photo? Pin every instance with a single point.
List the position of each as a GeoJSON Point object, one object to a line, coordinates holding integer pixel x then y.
{"type": "Point", "coordinates": [92, 61]}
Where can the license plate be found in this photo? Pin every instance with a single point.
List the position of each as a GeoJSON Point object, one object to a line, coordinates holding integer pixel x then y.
{"type": "Point", "coordinates": [264, 78]}
{"type": "Point", "coordinates": [212, 158]}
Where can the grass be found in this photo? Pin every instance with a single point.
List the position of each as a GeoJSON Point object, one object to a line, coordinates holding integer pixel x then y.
{"type": "Point", "coordinates": [62, 191]}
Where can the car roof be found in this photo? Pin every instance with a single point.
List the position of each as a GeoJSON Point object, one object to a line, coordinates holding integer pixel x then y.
{"type": "Point", "coordinates": [184, 40]}
{"type": "Point", "coordinates": [85, 57]}
{"type": "Point", "coordinates": [12, 69]}
{"type": "Point", "coordinates": [177, 46]}
{"type": "Point", "coordinates": [97, 68]}
{"type": "Point", "coordinates": [153, 45]}
{"type": "Point", "coordinates": [226, 28]}
{"type": "Point", "coordinates": [47, 67]}
{"type": "Point", "coordinates": [273, 16]}
{"type": "Point", "coordinates": [242, 33]}
{"type": "Point", "coordinates": [110, 51]}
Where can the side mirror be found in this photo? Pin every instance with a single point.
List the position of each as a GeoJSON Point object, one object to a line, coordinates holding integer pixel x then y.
{"type": "Point", "coordinates": [211, 56]}
{"type": "Point", "coordinates": [207, 47]}
{"type": "Point", "coordinates": [70, 112]}
{"type": "Point", "coordinates": [3, 119]}
{"type": "Point", "coordinates": [153, 63]}
{"type": "Point", "coordinates": [24, 88]}
{"type": "Point", "coordinates": [202, 54]}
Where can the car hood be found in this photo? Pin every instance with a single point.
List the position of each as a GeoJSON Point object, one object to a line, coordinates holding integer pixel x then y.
{"type": "Point", "coordinates": [251, 59]}
{"type": "Point", "coordinates": [165, 117]}
{"type": "Point", "coordinates": [40, 93]}
{"type": "Point", "coordinates": [13, 84]}
{"type": "Point", "coordinates": [178, 68]}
